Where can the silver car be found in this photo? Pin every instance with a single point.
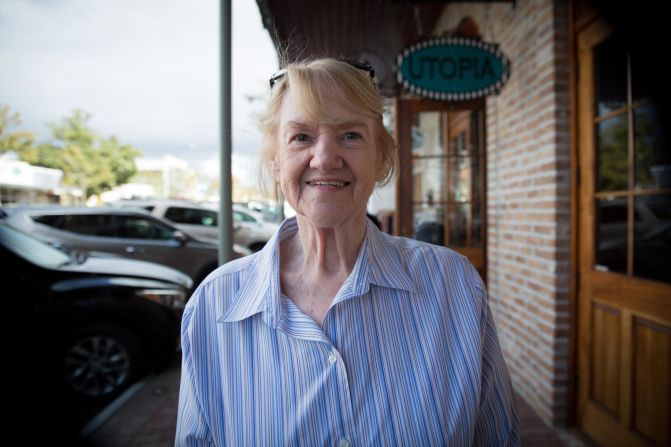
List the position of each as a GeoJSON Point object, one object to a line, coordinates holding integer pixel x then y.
{"type": "Point", "coordinates": [130, 233]}
{"type": "Point", "coordinates": [250, 230]}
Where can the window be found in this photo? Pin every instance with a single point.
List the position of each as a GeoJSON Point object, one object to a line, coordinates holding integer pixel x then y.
{"type": "Point", "coordinates": [447, 172]}
{"type": "Point", "coordinates": [52, 221]}
{"type": "Point", "coordinates": [633, 170]}
{"type": "Point", "coordinates": [192, 216]}
{"type": "Point", "coordinates": [90, 224]}
{"type": "Point", "coordinates": [242, 217]}
{"type": "Point", "coordinates": [140, 228]}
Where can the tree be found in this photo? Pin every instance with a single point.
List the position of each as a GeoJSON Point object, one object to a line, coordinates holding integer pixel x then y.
{"type": "Point", "coordinates": [19, 141]}
{"type": "Point", "coordinates": [88, 161]}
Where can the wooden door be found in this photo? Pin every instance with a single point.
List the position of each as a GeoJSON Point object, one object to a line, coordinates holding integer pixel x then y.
{"type": "Point", "coordinates": [441, 197]}
{"type": "Point", "coordinates": [624, 236]}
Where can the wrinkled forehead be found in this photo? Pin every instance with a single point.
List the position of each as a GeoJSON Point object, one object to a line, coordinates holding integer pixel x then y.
{"type": "Point", "coordinates": [327, 107]}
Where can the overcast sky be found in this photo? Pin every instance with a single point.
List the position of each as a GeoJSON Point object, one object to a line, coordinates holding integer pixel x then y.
{"type": "Point", "coordinates": [148, 71]}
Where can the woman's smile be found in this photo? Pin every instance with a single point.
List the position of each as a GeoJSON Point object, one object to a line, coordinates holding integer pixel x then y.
{"type": "Point", "coordinates": [328, 184]}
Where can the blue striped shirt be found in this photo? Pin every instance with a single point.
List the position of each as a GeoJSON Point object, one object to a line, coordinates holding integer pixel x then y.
{"type": "Point", "coordinates": [407, 355]}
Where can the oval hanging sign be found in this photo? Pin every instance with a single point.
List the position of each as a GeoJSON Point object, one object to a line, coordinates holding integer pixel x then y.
{"type": "Point", "coordinates": [452, 68]}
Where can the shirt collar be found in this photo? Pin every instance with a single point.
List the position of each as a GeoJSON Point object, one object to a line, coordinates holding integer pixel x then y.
{"type": "Point", "coordinates": [378, 263]}
{"type": "Point", "coordinates": [260, 289]}
{"type": "Point", "coordinates": [385, 262]}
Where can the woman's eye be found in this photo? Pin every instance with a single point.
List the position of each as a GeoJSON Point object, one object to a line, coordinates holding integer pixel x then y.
{"type": "Point", "coordinates": [352, 136]}
{"type": "Point", "coordinates": [301, 138]}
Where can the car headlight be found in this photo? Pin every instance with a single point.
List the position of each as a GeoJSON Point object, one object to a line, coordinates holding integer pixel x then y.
{"type": "Point", "coordinates": [172, 298]}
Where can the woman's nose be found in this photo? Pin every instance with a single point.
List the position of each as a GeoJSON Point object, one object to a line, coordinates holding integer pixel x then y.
{"type": "Point", "coordinates": [325, 155]}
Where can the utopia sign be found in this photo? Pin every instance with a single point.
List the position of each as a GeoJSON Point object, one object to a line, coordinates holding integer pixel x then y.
{"type": "Point", "coordinates": [452, 68]}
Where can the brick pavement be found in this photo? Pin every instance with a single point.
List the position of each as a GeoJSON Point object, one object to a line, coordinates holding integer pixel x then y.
{"type": "Point", "coordinates": [147, 419]}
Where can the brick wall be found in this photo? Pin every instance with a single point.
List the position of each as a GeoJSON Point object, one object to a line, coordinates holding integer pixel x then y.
{"type": "Point", "coordinates": [528, 210]}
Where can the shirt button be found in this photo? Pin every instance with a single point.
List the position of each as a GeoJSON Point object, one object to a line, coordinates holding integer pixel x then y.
{"type": "Point", "coordinates": [343, 443]}
{"type": "Point", "coordinates": [333, 359]}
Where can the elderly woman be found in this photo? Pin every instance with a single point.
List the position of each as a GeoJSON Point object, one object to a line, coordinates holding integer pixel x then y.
{"type": "Point", "coordinates": [336, 333]}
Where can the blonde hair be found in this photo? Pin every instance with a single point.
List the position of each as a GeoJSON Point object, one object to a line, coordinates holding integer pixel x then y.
{"type": "Point", "coordinates": [313, 83]}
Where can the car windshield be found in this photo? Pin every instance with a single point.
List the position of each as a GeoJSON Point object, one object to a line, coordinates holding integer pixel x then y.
{"type": "Point", "coordinates": [31, 249]}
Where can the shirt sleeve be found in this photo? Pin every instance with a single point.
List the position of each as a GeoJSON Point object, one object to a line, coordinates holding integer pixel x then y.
{"type": "Point", "coordinates": [497, 422]}
{"type": "Point", "coordinates": [192, 427]}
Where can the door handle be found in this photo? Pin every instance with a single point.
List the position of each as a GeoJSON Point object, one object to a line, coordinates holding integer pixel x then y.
{"type": "Point", "coordinates": [130, 249]}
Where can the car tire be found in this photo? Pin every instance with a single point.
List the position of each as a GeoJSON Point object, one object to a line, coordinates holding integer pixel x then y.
{"type": "Point", "coordinates": [100, 361]}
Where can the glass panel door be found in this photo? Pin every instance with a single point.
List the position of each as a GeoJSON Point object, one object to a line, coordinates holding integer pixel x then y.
{"type": "Point", "coordinates": [447, 180]}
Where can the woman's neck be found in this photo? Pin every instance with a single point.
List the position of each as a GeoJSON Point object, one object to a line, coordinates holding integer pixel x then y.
{"type": "Point", "coordinates": [324, 251]}
{"type": "Point", "coordinates": [315, 262]}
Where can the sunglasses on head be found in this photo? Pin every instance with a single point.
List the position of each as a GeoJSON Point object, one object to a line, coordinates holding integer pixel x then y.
{"type": "Point", "coordinates": [356, 64]}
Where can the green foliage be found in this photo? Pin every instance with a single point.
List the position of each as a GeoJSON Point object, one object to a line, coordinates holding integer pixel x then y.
{"type": "Point", "coordinates": [88, 161]}
{"type": "Point", "coordinates": [19, 141]}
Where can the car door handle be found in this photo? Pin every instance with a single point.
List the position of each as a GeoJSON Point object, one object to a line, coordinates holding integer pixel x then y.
{"type": "Point", "coordinates": [131, 249]}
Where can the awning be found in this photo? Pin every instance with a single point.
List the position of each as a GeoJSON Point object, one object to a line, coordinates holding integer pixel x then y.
{"type": "Point", "coordinates": [374, 31]}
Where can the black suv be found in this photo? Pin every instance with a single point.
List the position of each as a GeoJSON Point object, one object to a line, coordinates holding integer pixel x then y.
{"type": "Point", "coordinates": [82, 328]}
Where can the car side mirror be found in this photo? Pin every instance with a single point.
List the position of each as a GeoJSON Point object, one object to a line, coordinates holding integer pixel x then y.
{"type": "Point", "coordinates": [180, 236]}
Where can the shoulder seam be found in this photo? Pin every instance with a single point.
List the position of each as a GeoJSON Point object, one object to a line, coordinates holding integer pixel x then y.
{"type": "Point", "coordinates": [230, 268]}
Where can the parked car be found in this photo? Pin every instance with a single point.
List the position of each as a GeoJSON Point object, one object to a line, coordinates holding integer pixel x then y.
{"type": "Point", "coordinates": [86, 326]}
{"type": "Point", "coordinates": [130, 233]}
{"type": "Point", "coordinates": [250, 230]}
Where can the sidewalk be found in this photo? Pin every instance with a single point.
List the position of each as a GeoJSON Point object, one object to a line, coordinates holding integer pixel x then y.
{"type": "Point", "coordinates": [147, 418]}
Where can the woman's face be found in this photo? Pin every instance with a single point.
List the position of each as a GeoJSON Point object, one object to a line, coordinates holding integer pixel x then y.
{"type": "Point", "coordinates": [326, 171]}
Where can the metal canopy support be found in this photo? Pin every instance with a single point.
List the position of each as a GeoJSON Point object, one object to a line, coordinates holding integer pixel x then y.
{"type": "Point", "coordinates": [225, 212]}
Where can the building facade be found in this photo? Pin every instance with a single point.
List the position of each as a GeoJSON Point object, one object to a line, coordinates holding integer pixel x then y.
{"type": "Point", "coordinates": [21, 182]}
{"type": "Point", "coordinates": [528, 194]}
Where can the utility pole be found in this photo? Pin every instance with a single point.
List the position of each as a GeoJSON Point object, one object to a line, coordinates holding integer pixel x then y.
{"type": "Point", "coordinates": [225, 195]}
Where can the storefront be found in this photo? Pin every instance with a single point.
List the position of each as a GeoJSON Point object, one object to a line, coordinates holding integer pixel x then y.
{"type": "Point", "coordinates": [23, 183]}
{"type": "Point", "coordinates": [557, 188]}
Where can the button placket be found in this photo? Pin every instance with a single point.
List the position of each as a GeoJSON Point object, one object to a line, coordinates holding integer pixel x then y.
{"type": "Point", "coordinates": [344, 396]}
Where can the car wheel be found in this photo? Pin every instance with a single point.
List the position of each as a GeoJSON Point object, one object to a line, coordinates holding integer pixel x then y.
{"type": "Point", "coordinates": [100, 361]}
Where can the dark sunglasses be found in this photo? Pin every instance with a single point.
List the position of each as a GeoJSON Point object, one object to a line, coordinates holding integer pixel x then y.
{"type": "Point", "coordinates": [356, 64]}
